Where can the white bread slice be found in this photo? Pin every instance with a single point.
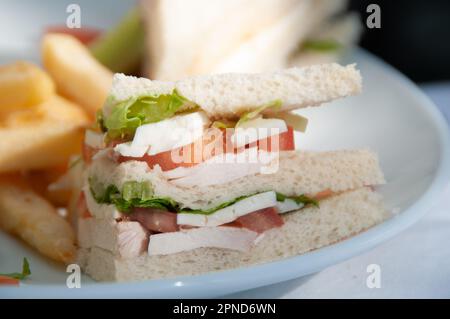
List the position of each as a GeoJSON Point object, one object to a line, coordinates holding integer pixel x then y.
{"type": "Point", "coordinates": [229, 95]}
{"type": "Point", "coordinates": [183, 35]}
{"type": "Point", "coordinates": [298, 173]}
{"type": "Point", "coordinates": [338, 218]}
{"type": "Point", "coordinates": [270, 48]}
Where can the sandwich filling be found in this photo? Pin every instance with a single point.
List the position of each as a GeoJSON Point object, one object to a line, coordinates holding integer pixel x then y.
{"type": "Point", "coordinates": [190, 149]}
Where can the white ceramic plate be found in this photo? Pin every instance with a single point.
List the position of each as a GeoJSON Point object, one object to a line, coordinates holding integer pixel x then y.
{"type": "Point", "coordinates": [391, 117]}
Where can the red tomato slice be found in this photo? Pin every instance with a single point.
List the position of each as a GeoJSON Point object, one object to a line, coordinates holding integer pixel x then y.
{"type": "Point", "coordinates": [260, 221]}
{"type": "Point", "coordinates": [281, 142]}
{"type": "Point", "coordinates": [285, 142]}
{"type": "Point", "coordinates": [5, 280]}
{"type": "Point", "coordinates": [155, 220]}
{"type": "Point", "coordinates": [85, 35]}
{"type": "Point", "coordinates": [212, 144]}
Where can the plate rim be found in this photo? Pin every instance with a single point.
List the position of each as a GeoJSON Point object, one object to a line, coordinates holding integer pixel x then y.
{"type": "Point", "coordinates": [287, 268]}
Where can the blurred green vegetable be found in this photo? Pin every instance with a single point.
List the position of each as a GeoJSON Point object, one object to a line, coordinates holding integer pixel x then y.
{"type": "Point", "coordinates": [325, 45]}
{"type": "Point", "coordinates": [121, 49]}
{"type": "Point", "coordinates": [24, 274]}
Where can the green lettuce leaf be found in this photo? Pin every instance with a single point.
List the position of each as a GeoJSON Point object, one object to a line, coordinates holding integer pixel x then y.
{"type": "Point", "coordinates": [125, 117]}
{"type": "Point", "coordinates": [301, 199]}
{"type": "Point", "coordinates": [255, 113]}
{"type": "Point", "coordinates": [214, 209]}
{"type": "Point", "coordinates": [133, 190]}
{"type": "Point", "coordinates": [24, 274]}
{"type": "Point", "coordinates": [324, 45]}
{"type": "Point", "coordinates": [133, 194]}
{"type": "Point", "coordinates": [140, 195]}
{"type": "Point", "coordinates": [126, 206]}
{"type": "Point", "coordinates": [223, 124]}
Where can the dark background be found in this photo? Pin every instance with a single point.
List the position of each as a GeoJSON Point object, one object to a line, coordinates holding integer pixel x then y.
{"type": "Point", "coordinates": [414, 36]}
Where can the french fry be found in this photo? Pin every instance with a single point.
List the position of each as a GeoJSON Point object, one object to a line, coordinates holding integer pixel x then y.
{"type": "Point", "coordinates": [77, 74]}
{"type": "Point", "coordinates": [27, 215]}
{"type": "Point", "coordinates": [23, 85]}
{"type": "Point", "coordinates": [43, 137]}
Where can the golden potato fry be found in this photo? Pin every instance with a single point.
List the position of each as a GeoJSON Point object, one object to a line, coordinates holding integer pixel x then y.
{"type": "Point", "coordinates": [23, 85]}
{"type": "Point", "coordinates": [77, 74]}
{"type": "Point", "coordinates": [43, 137]}
{"type": "Point", "coordinates": [27, 215]}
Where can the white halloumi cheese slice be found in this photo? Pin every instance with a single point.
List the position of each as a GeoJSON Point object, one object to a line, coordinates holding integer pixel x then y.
{"type": "Point", "coordinates": [228, 214]}
{"type": "Point", "coordinates": [127, 149]}
{"type": "Point", "coordinates": [240, 239]}
{"type": "Point", "coordinates": [165, 135]}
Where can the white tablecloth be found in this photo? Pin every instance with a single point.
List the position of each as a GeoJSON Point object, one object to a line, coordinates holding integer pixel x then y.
{"type": "Point", "coordinates": [415, 264]}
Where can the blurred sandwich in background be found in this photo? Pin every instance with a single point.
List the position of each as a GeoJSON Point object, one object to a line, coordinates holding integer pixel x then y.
{"type": "Point", "coordinates": [214, 36]}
